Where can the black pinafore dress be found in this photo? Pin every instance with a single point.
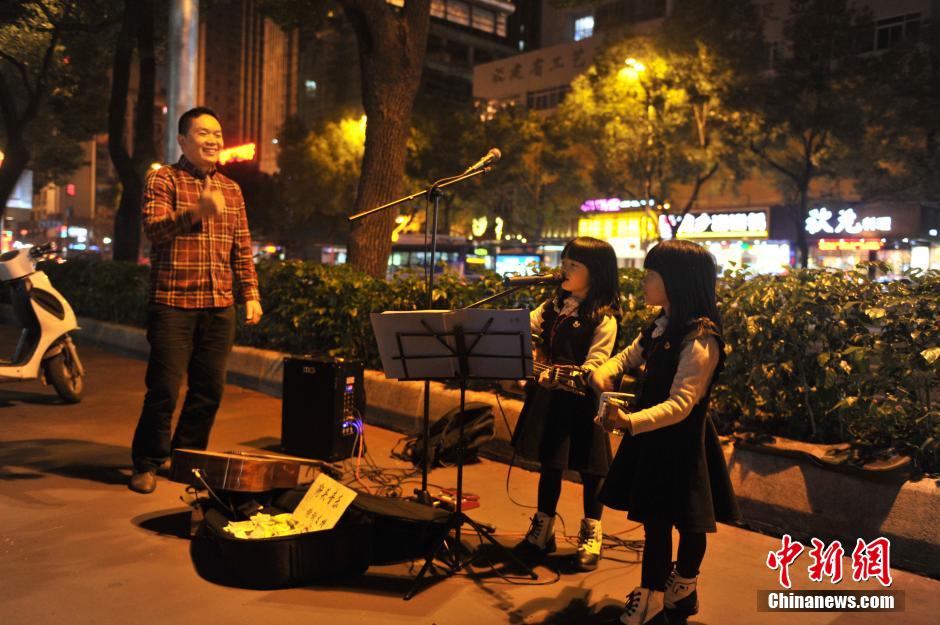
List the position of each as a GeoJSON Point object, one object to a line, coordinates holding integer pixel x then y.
{"type": "Point", "coordinates": [676, 474]}
{"type": "Point", "coordinates": [556, 427]}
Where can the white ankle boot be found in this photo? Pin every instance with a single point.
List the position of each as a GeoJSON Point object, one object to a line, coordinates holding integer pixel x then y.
{"type": "Point", "coordinates": [681, 595]}
{"type": "Point", "coordinates": [590, 545]}
{"type": "Point", "coordinates": [644, 607]}
{"type": "Point", "coordinates": [540, 539]}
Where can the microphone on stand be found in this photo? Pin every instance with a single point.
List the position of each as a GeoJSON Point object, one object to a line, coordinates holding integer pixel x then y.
{"type": "Point", "coordinates": [491, 157]}
{"type": "Point", "coordinates": [537, 280]}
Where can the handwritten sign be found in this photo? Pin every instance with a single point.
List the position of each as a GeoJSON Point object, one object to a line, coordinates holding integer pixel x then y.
{"type": "Point", "coordinates": [324, 504]}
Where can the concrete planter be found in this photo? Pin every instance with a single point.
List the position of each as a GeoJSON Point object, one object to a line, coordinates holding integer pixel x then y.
{"type": "Point", "coordinates": [783, 491]}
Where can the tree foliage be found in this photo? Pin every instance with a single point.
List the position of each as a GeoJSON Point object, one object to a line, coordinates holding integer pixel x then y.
{"type": "Point", "coordinates": [52, 85]}
{"type": "Point", "coordinates": [902, 129]}
{"type": "Point", "coordinates": [542, 176]}
{"type": "Point", "coordinates": [808, 114]}
{"type": "Point", "coordinates": [660, 122]}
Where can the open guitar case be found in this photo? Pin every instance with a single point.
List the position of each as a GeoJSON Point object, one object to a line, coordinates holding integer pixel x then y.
{"type": "Point", "coordinates": [373, 530]}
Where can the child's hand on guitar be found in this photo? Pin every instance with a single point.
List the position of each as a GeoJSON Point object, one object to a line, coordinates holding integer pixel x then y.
{"type": "Point", "coordinates": [538, 355]}
{"type": "Point", "coordinates": [613, 419]}
{"type": "Point", "coordinates": [601, 382]}
{"type": "Point", "coordinates": [547, 379]}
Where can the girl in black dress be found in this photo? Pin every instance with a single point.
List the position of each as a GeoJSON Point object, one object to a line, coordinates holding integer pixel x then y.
{"type": "Point", "coordinates": [670, 470]}
{"type": "Point", "coordinates": [578, 326]}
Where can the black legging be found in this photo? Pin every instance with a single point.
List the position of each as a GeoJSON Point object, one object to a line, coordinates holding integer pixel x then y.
{"type": "Point", "coordinates": [657, 555]}
{"type": "Point", "coordinates": [550, 492]}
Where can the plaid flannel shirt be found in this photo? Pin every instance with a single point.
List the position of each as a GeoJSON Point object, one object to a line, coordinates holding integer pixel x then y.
{"type": "Point", "coordinates": [193, 261]}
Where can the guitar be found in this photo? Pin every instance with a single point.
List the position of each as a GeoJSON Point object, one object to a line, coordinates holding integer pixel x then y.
{"type": "Point", "coordinates": [526, 438]}
{"type": "Point", "coordinates": [569, 378]}
{"type": "Point", "coordinates": [243, 471]}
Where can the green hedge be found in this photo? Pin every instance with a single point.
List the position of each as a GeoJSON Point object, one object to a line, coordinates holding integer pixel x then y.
{"type": "Point", "coordinates": [833, 356]}
{"type": "Point", "coordinates": [814, 355]}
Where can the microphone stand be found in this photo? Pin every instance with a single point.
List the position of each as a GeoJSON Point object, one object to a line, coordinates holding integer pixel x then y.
{"type": "Point", "coordinates": [498, 295]}
{"type": "Point", "coordinates": [432, 193]}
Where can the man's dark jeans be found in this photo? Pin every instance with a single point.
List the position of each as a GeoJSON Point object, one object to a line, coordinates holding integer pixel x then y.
{"type": "Point", "coordinates": [195, 342]}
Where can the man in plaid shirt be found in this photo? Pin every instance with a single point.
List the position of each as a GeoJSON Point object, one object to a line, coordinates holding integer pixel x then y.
{"type": "Point", "coordinates": [200, 248]}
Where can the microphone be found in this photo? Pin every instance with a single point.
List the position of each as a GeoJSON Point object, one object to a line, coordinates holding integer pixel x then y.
{"type": "Point", "coordinates": [536, 280]}
{"type": "Point", "coordinates": [491, 157]}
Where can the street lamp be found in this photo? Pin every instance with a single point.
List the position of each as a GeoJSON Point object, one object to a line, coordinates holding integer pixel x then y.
{"type": "Point", "coordinates": [632, 70]}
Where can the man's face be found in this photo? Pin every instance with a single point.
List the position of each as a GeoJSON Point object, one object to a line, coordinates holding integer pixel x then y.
{"type": "Point", "coordinates": [202, 142]}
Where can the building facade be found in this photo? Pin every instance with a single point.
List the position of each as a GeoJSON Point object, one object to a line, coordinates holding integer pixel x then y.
{"type": "Point", "coordinates": [248, 73]}
{"type": "Point", "coordinates": [749, 224]}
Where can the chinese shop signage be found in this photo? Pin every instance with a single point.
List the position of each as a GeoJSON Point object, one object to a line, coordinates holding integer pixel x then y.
{"type": "Point", "coordinates": [823, 220]}
{"type": "Point", "coordinates": [613, 205]}
{"type": "Point", "coordinates": [749, 225]}
{"type": "Point", "coordinates": [850, 245]}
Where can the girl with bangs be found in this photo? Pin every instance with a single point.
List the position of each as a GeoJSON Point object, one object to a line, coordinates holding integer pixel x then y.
{"type": "Point", "coordinates": [577, 326]}
{"type": "Point", "coordinates": [670, 470]}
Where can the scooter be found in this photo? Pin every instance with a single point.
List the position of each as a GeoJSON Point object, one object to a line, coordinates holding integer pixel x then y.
{"type": "Point", "coordinates": [45, 350]}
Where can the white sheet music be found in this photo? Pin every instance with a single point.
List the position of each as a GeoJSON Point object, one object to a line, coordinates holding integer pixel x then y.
{"type": "Point", "coordinates": [425, 357]}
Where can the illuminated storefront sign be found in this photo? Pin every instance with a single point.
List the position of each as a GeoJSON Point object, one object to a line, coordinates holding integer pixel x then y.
{"type": "Point", "coordinates": [820, 220]}
{"type": "Point", "coordinates": [750, 225]}
{"type": "Point", "coordinates": [244, 152]}
{"type": "Point", "coordinates": [847, 245]}
{"type": "Point", "coordinates": [479, 226]}
{"type": "Point", "coordinates": [623, 226]}
{"type": "Point", "coordinates": [613, 205]}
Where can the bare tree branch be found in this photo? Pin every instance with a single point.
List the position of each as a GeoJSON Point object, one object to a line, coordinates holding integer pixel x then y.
{"type": "Point", "coordinates": [770, 161]}
{"type": "Point", "coordinates": [697, 187]}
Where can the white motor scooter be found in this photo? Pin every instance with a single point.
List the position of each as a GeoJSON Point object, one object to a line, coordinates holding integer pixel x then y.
{"type": "Point", "coordinates": [45, 350]}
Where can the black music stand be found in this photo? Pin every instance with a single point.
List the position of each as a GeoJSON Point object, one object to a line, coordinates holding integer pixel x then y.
{"type": "Point", "coordinates": [439, 345]}
{"type": "Point", "coordinates": [433, 194]}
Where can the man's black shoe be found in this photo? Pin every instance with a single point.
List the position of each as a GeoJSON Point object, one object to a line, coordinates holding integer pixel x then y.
{"type": "Point", "coordinates": [143, 481]}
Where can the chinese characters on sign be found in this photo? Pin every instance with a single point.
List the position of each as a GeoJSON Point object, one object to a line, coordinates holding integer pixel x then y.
{"type": "Point", "coordinates": [704, 225]}
{"type": "Point", "coordinates": [480, 225]}
{"type": "Point", "coordinates": [869, 560]}
{"type": "Point", "coordinates": [323, 505]}
{"type": "Point", "coordinates": [612, 205]}
{"type": "Point", "coordinates": [820, 220]}
{"type": "Point", "coordinates": [544, 64]}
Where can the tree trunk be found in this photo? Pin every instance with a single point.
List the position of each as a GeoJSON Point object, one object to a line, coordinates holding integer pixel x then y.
{"type": "Point", "coordinates": [17, 155]}
{"type": "Point", "coordinates": [391, 52]}
{"type": "Point", "coordinates": [132, 169]}
{"type": "Point", "coordinates": [802, 245]}
{"type": "Point", "coordinates": [383, 163]}
{"type": "Point", "coordinates": [127, 220]}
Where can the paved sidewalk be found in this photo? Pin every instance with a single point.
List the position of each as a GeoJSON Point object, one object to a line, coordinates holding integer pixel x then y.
{"type": "Point", "coordinates": [77, 547]}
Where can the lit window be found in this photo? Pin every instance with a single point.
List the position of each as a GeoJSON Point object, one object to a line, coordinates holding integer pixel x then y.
{"type": "Point", "coordinates": [501, 25]}
{"type": "Point", "coordinates": [484, 20]}
{"type": "Point", "coordinates": [311, 86]}
{"type": "Point", "coordinates": [437, 8]}
{"type": "Point", "coordinates": [583, 27]}
{"type": "Point", "coordinates": [458, 13]}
